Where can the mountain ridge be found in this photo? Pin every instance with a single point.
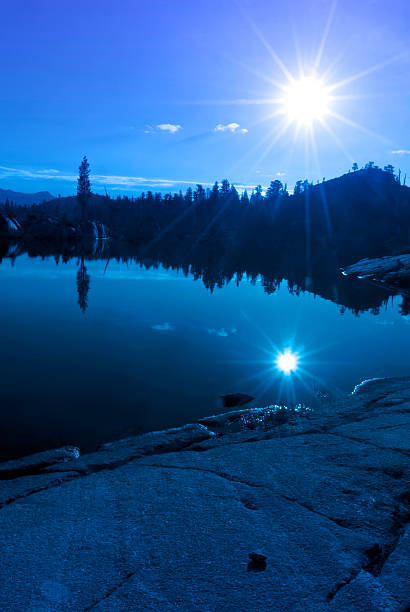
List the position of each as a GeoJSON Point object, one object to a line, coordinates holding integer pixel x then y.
{"type": "Point", "coordinates": [25, 199]}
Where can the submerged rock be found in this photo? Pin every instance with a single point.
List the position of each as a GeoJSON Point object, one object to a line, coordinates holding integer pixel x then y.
{"type": "Point", "coordinates": [236, 399]}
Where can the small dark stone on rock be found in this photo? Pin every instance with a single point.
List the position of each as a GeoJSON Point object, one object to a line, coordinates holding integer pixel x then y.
{"type": "Point", "coordinates": [257, 562]}
{"type": "Point", "coordinates": [376, 557]}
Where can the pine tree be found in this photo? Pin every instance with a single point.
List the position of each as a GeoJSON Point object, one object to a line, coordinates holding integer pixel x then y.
{"type": "Point", "coordinates": [188, 196]}
{"type": "Point", "coordinates": [225, 187]}
{"type": "Point", "coordinates": [245, 198]}
{"type": "Point", "coordinates": [215, 192]}
{"type": "Point", "coordinates": [274, 190]}
{"type": "Point", "coordinates": [83, 186]}
{"type": "Point", "coordinates": [199, 194]}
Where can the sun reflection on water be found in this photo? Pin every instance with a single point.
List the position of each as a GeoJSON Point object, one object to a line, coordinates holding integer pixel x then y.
{"type": "Point", "coordinates": [287, 362]}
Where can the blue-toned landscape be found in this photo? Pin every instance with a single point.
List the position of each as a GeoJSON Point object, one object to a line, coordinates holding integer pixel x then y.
{"type": "Point", "coordinates": [205, 306]}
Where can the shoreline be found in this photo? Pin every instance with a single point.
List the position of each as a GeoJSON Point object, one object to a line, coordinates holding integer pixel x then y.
{"type": "Point", "coordinates": [174, 519]}
{"type": "Point", "coordinates": [231, 421]}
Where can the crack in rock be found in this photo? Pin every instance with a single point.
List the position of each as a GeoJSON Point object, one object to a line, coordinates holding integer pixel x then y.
{"type": "Point", "coordinates": [235, 479]}
{"type": "Point", "coordinates": [367, 442]}
{"type": "Point", "coordinates": [110, 592]}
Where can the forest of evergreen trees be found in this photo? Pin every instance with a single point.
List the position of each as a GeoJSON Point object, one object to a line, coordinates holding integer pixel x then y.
{"type": "Point", "coordinates": [363, 213]}
{"type": "Point", "coordinates": [218, 234]}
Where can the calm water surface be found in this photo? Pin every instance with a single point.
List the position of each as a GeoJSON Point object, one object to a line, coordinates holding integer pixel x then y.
{"type": "Point", "coordinates": [155, 349]}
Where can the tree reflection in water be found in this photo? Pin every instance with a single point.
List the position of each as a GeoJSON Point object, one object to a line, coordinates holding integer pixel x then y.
{"type": "Point", "coordinates": [83, 285]}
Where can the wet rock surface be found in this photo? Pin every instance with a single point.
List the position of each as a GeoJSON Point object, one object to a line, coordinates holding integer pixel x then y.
{"type": "Point", "coordinates": [10, 470]}
{"type": "Point", "coordinates": [308, 513]}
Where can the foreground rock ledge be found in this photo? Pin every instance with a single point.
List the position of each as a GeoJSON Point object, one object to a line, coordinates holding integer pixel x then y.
{"type": "Point", "coordinates": [175, 520]}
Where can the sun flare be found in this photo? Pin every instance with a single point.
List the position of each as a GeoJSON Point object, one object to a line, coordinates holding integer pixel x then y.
{"type": "Point", "coordinates": [306, 100]}
{"type": "Point", "coordinates": [287, 362]}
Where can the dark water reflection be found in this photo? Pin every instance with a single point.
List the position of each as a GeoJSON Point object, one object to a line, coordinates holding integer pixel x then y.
{"type": "Point", "coordinates": [97, 348]}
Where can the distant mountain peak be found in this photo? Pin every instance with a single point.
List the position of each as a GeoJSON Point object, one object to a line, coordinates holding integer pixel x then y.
{"type": "Point", "coordinates": [25, 199]}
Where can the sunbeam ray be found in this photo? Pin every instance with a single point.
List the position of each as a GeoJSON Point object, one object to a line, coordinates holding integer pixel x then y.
{"type": "Point", "coordinates": [337, 140]}
{"type": "Point", "coordinates": [358, 127]}
{"type": "Point", "coordinates": [329, 71]}
{"type": "Point", "coordinates": [298, 53]}
{"type": "Point", "coordinates": [321, 191]}
{"type": "Point", "coordinates": [269, 48]}
{"type": "Point", "coordinates": [367, 71]}
{"type": "Point", "coordinates": [255, 72]}
{"type": "Point", "coordinates": [270, 146]}
{"type": "Point", "coordinates": [234, 102]}
{"type": "Point", "coordinates": [325, 34]}
{"type": "Point", "coordinates": [255, 148]}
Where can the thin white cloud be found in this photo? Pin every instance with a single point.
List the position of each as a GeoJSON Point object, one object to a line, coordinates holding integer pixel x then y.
{"type": "Point", "coordinates": [124, 182]}
{"type": "Point", "coordinates": [6, 172]}
{"type": "Point", "coordinates": [169, 127]}
{"type": "Point", "coordinates": [240, 188]}
{"type": "Point", "coordinates": [115, 182]}
{"type": "Point", "coordinates": [230, 127]}
{"type": "Point", "coordinates": [401, 152]}
{"type": "Point", "coordinates": [281, 174]}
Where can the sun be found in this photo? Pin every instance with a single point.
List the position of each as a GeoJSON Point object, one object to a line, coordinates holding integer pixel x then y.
{"type": "Point", "coordinates": [305, 100]}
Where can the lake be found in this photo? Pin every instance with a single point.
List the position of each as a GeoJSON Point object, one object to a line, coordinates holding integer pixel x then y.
{"type": "Point", "coordinates": [113, 349]}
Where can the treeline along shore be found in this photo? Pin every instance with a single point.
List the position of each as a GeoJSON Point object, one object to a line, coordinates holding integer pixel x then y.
{"type": "Point", "coordinates": [328, 225]}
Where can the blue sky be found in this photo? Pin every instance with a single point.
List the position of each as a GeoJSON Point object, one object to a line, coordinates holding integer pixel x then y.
{"type": "Point", "coordinates": [141, 86]}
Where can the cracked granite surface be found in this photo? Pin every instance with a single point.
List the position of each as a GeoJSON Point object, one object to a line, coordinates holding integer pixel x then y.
{"type": "Point", "coordinates": [166, 521]}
